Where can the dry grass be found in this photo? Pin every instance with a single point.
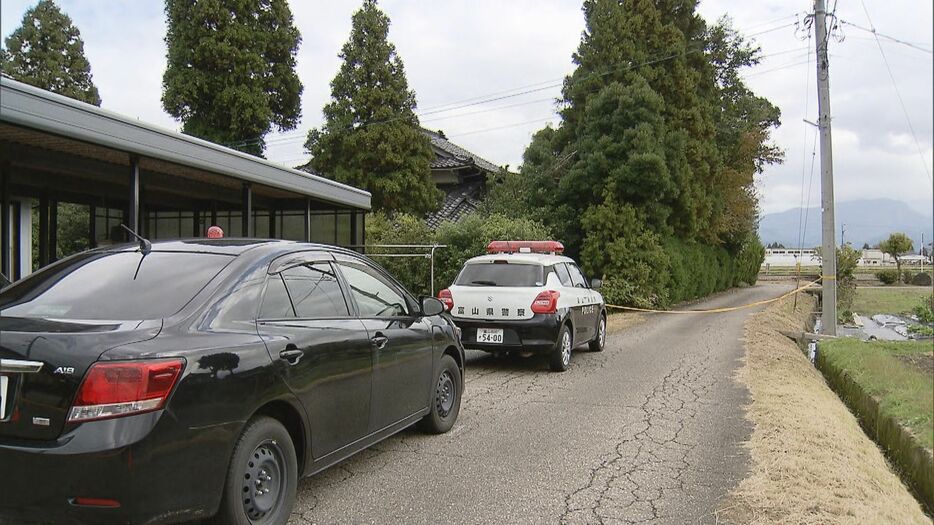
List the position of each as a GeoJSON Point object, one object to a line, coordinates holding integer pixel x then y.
{"type": "Point", "coordinates": [620, 320]}
{"type": "Point", "coordinates": [811, 462]}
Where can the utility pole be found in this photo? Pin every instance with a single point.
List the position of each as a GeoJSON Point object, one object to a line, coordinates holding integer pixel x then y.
{"type": "Point", "coordinates": [843, 235]}
{"type": "Point", "coordinates": [829, 253]}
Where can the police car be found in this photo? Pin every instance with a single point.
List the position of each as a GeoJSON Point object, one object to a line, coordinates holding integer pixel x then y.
{"type": "Point", "coordinates": [525, 297]}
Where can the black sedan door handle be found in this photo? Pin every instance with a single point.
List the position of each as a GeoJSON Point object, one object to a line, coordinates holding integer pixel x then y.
{"type": "Point", "coordinates": [380, 341]}
{"type": "Point", "coordinates": [291, 354]}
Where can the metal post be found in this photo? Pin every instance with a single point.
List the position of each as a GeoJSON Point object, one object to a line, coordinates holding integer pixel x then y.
{"type": "Point", "coordinates": [92, 226]}
{"type": "Point", "coordinates": [6, 235]}
{"type": "Point", "coordinates": [829, 254]}
{"type": "Point", "coordinates": [43, 231]}
{"type": "Point", "coordinates": [53, 230]}
{"type": "Point", "coordinates": [133, 207]}
{"type": "Point", "coordinates": [247, 218]}
{"type": "Point", "coordinates": [433, 248]}
{"type": "Point", "coordinates": [307, 220]}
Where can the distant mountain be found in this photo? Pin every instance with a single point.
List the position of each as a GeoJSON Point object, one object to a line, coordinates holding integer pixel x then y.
{"type": "Point", "coordinates": [866, 221]}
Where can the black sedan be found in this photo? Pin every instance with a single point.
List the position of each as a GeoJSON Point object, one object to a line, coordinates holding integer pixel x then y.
{"type": "Point", "coordinates": [182, 380]}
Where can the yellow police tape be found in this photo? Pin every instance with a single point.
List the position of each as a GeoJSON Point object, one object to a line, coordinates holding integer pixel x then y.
{"type": "Point", "coordinates": [717, 310]}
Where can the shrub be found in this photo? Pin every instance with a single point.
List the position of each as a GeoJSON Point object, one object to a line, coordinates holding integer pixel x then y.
{"type": "Point", "coordinates": [922, 279]}
{"type": "Point", "coordinates": [925, 310]}
{"type": "Point", "coordinates": [907, 276]}
{"type": "Point", "coordinates": [888, 276]}
{"type": "Point", "coordinates": [468, 238]}
{"type": "Point", "coordinates": [748, 261]}
{"type": "Point", "coordinates": [464, 239]}
{"type": "Point", "coordinates": [847, 259]}
{"type": "Point", "coordinates": [413, 272]}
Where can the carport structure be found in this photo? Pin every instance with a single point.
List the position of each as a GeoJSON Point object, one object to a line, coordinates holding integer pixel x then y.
{"type": "Point", "coordinates": [161, 183]}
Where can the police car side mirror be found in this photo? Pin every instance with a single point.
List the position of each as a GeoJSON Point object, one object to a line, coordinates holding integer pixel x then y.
{"type": "Point", "coordinates": [431, 306]}
{"type": "Point", "coordinates": [595, 284]}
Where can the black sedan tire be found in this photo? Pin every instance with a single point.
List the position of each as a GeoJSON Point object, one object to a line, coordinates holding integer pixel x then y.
{"type": "Point", "coordinates": [262, 477]}
{"type": "Point", "coordinates": [445, 398]}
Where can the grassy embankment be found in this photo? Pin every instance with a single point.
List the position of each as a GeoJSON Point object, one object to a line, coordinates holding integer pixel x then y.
{"type": "Point", "coordinates": [897, 373]}
{"type": "Point", "coordinates": [811, 461]}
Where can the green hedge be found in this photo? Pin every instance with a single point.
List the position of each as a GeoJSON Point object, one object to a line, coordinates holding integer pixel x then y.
{"type": "Point", "coordinates": [464, 239]}
{"type": "Point", "coordinates": [660, 273]}
{"type": "Point", "coordinates": [691, 271]}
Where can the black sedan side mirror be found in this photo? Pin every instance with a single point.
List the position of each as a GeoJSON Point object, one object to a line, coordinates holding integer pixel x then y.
{"type": "Point", "coordinates": [431, 306]}
{"type": "Point", "coordinates": [595, 284]}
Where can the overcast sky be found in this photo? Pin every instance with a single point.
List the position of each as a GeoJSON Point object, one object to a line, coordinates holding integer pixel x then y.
{"type": "Point", "coordinates": [459, 54]}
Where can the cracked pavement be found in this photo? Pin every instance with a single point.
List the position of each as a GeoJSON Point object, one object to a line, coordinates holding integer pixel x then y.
{"type": "Point", "coordinates": [648, 431]}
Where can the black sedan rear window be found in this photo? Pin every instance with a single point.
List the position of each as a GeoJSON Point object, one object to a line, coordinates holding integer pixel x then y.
{"type": "Point", "coordinates": [113, 286]}
{"type": "Point", "coordinates": [500, 274]}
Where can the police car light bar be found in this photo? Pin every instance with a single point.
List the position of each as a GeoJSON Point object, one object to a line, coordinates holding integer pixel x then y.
{"type": "Point", "coordinates": [552, 247]}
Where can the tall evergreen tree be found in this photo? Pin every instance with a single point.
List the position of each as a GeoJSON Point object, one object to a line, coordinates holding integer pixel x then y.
{"type": "Point", "coordinates": [231, 70]}
{"type": "Point", "coordinates": [664, 139]}
{"type": "Point", "coordinates": [371, 136]}
{"type": "Point", "coordinates": [46, 51]}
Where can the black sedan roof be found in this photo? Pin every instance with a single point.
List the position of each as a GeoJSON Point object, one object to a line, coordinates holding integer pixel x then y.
{"type": "Point", "coordinates": [228, 246]}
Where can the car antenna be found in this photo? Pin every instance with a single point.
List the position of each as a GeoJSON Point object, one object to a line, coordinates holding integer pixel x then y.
{"type": "Point", "coordinates": [144, 245]}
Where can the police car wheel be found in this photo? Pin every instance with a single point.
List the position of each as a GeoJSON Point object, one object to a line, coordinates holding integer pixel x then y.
{"type": "Point", "coordinates": [599, 340]}
{"type": "Point", "coordinates": [560, 357]}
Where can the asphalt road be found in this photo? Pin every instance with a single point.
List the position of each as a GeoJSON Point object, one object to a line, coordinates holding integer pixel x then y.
{"type": "Point", "coordinates": [650, 430]}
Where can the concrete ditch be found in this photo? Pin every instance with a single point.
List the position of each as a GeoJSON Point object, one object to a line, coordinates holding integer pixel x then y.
{"type": "Point", "coordinates": [914, 462]}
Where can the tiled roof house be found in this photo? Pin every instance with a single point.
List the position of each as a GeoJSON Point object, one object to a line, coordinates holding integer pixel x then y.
{"type": "Point", "coordinates": [460, 174]}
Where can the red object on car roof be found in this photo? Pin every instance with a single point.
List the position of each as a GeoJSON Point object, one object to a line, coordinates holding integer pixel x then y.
{"type": "Point", "coordinates": [215, 232]}
{"type": "Point", "coordinates": [553, 247]}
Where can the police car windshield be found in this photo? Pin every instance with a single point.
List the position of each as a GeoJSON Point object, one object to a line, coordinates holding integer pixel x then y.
{"type": "Point", "coordinates": [500, 273]}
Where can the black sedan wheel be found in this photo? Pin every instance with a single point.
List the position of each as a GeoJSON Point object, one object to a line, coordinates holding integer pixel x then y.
{"type": "Point", "coordinates": [445, 399]}
{"type": "Point", "coordinates": [262, 477]}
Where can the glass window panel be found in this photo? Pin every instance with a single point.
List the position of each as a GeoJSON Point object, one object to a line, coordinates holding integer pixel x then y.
{"type": "Point", "coordinates": [186, 226]}
{"type": "Point", "coordinates": [315, 291]}
{"type": "Point", "coordinates": [276, 303]}
{"type": "Point", "coordinates": [374, 296]}
{"type": "Point", "coordinates": [322, 228]}
{"type": "Point", "coordinates": [292, 227]}
{"type": "Point", "coordinates": [261, 224]}
{"type": "Point", "coordinates": [108, 286]}
{"type": "Point", "coordinates": [343, 229]}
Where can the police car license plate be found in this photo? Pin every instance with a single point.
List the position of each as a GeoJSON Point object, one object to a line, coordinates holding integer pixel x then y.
{"type": "Point", "coordinates": [4, 385]}
{"type": "Point", "coordinates": [490, 335]}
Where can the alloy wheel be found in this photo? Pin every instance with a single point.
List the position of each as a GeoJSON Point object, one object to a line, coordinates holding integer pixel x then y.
{"type": "Point", "coordinates": [566, 349]}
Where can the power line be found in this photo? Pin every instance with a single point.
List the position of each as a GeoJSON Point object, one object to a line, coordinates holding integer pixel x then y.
{"type": "Point", "coordinates": [300, 135]}
{"type": "Point", "coordinates": [474, 132]}
{"type": "Point", "coordinates": [898, 93]}
{"type": "Point", "coordinates": [877, 35]}
{"type": "Point", "coordinates": [524, 90]}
